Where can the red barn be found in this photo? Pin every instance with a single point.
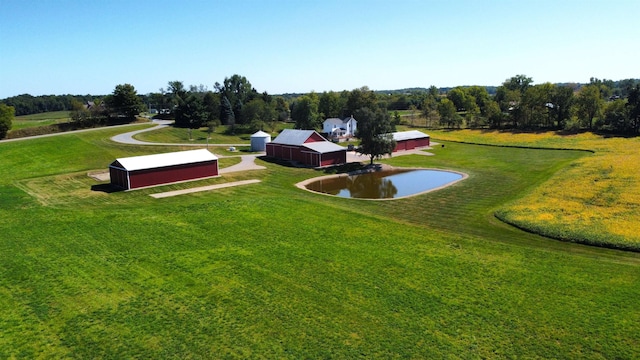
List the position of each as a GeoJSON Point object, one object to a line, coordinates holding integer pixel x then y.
{"type": "Point", "coordinates": [159, 169]}
{"type": "Point", "coordinates": [409, 140]}
{"type": "Point", "coordinates": [306, 147]}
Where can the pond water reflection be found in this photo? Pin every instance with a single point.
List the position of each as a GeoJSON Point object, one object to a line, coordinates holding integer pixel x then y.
{"type": "Point", "coordinates": [387, 184]}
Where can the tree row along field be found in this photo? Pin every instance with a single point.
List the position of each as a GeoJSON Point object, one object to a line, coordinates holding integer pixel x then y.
{"type": "Point", "coordinates": [600, 105]}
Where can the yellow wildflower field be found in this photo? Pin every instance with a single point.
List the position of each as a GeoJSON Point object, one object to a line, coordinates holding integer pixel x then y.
{"type": "Point", "coordinates": [595, 200]}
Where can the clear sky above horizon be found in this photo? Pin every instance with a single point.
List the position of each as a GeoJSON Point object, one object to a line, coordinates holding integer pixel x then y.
{"type": "Point", "coordinates": [297, 46]}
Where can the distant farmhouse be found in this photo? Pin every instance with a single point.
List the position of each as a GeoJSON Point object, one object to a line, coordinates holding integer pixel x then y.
{"type": "Point", "coordinates": [337, 129]}
{"type": "Point", "coordinates": [306, 147]}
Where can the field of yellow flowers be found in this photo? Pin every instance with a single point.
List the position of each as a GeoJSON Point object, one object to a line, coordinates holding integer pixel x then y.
{"type": "Point", "coordinates": [596, 200]}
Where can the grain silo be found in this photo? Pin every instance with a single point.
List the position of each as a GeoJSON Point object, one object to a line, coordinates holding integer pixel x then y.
{"type": "Point", "coordinates": [259, 141]}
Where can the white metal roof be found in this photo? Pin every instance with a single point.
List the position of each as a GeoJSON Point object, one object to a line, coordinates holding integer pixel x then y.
{"type": "Point", "coordinates": [324, 147]}
{"type": "Point", "coordinates": [260, 134]}
{"type": "Point", "coordinates": [167, 159]}
{"type": "Point", "coordinates": [293, 137]}
{"type": "Point", "coordinates": [408, 135]}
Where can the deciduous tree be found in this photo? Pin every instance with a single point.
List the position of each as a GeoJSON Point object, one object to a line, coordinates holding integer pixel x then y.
{"type": "Point", "coordinates": [458, 97]}
{"type": "Point", "coordinates": [374, 132]}
{"type": "Point", "coordinates": [282, 109]}
{"type": "Point", "coordinates": [509, 101]}
{"type": "Point", "coordinates": [125, 102]}
{"type": "Point", "coordinates": [7, 114]}
{"type": "Point", "coordinates": [562, 99]}
{"type": "Point", "coordinates": [518, 82]}
{"type": "Point", "coordinates": [238, 91]}
{"type": "Point", "coordinates": [616, 116]}
{"type": "Point", "coordinates": [536, 105]}
{"type": "Point", "coordinates": [361, 98]}
{"type": "Point", "coordinates": [430, 109]}
{"type": "Point", "coordinates": [305, 112]}
{"type": "Point", "coordinates": [589, 104]}
{"type": "Point", "coordinates": [330, 105]}
{"type": "Point", "coordinates": [259, 114]}
{"type": "Point", "coordinates": [176, 93]}
{"type": "Point", "coordinates": [493, 114]}
{"type": "Point", "coordinates": [448, 114]}
{"type": "Point", "coordinates": [633, 102]}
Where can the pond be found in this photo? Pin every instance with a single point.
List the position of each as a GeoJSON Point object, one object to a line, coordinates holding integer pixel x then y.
{"type": "Point", "coordinates": [388, 184]}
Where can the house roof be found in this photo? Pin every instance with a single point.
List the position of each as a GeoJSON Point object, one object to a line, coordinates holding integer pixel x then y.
{"type": "Point", "coordinates": [408, 135]}
{"type": "Point", "coordinates": [323, 147]}
{"type": "Point", "coordinates": [334, 121]}
{"type": "Point", "coordinates": [163, 160]}
{"type": "Point", "coordinates": [293, 137]}
{"type": "Point", "coordinates": [338, 121]}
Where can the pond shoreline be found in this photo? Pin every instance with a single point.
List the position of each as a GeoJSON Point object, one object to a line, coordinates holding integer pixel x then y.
{"type": "Point", "coordinates": [378, 168]}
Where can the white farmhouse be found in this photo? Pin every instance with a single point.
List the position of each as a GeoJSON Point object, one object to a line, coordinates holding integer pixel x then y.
{"type": "Point", "coordinates": [339, 128]}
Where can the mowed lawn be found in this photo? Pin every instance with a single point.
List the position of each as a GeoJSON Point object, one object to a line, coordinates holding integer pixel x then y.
{"type": "Point", "coordinates": [272, 271]}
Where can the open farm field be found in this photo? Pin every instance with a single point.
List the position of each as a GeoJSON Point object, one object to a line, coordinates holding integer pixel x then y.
{"type": "Point", "coordinates": [596, 200]}
{"type": "Point", "coordinates": [271, 271]}
{"type": "Point", "coordinates": [42, 119]}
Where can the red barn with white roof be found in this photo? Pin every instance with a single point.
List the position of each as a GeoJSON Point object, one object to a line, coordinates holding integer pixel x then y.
{"type": "Point", "coordinates": [306, 147]}
{"type": "Point", "coordinates": [409, 140]}
{"type": "Point", "coordinates": [159, 169]}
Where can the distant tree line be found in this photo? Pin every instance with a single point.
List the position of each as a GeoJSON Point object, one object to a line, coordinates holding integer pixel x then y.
{"type": "Point", "coordinates": [517, 103]}
{"type": "Point", "coordinates": [26, 104]}
{"type": "Point", "coordinates": [234, 102]}
{"type": "Point", "coordinates": [601, 105]}
{"type": "Point", "coordinates": [121, 106]}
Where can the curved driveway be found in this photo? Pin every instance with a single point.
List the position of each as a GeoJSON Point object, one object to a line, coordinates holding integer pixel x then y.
{"type": "Point", "coordinates": [247, 162]}
{"type": "Point", "coordinates": [127, 138]}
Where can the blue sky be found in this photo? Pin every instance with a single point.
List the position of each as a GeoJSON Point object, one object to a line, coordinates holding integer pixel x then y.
{"type": "Point", "coordinates": [285, 46]}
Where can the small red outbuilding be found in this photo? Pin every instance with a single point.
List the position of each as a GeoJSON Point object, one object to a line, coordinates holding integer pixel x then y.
{"type": "Point", "coordinates": [306, 147]}
{"type": "Point", "coordinates": [409, 140]}
{"type": "Point", "coordinates": [159, 169]}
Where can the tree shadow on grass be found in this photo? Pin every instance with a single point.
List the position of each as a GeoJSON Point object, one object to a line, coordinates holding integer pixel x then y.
{"type": "Point", "coordinates": [285, 163]}
{"type": "Point", "coordinates": [347, 168]}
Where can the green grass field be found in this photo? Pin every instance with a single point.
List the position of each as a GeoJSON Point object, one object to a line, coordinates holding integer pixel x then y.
{"type": "Point", "coordinates": [49, 118]}
{"type": "Point", "coordinates": [199, 136]}
{"type": "Point", "coordinates": [271, 271]}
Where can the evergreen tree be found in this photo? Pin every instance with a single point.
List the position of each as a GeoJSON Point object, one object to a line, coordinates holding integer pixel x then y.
{"type": "Point", "coordinates": [226, 112]}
